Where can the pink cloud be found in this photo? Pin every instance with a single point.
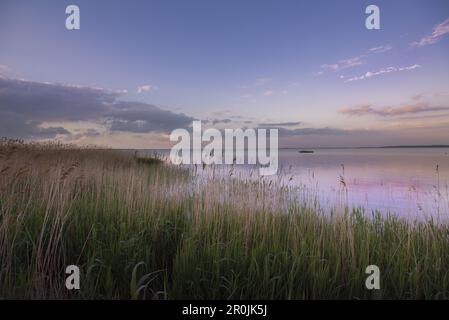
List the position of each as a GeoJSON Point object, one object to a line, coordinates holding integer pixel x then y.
{"type": "Point", "coordinates": [438, 31]}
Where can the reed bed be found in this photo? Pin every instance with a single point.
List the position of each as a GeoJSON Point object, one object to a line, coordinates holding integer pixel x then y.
{"type": "Point", "coordinates": [141, 229]}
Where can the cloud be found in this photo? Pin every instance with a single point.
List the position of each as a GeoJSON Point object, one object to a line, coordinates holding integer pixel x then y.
{"type": "Point", "coordinates": [219, 113]}
{"type": "Point", "coordinates": [56, 102]}
{"type": "Point", "coordinates": [145, 88]}
{"type": "Point", "coordinates": [354, 61]}
{"type": "Point", "coordinates": [268, 93]}
{"type": "Point", "coordinates": [417, 97]}
{"type": "Point", "coordinates": [221, 121]}
{"type": "Point", "coordinates": [143, 117]}
{"type": "Point", "coordinates": [82, 134]}
{"type": "Point", "coordinates": [437, 33]}
{"type": "Point", "coordinates": [382, 71]}
{"type": "Point", "coordinates": [343, 64]}
{"type": "Point", "coordinates": [286, 132]}
{"type": "Point", "coordinates": [18, 126]}
{"type": "Point", "coordinates": [314, 131]}
{"type": "Point", "coordinates": [25, 106]}
{"type": "Point", "coordinates": [280, 124]}
{"type": "Point", "coordinates": [405, 109]}
{"type": "Point", "coordinates": [380, 49]}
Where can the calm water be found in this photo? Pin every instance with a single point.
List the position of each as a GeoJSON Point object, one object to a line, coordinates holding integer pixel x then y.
{"type": "Point", "coordinates": [404, 181]}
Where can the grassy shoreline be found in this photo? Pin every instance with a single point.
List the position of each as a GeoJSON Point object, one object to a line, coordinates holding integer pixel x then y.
{"type": "Point", "coordinates": [139, 229]}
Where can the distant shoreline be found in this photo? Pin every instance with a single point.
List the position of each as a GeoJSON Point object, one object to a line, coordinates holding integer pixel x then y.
{"type": "Point", "coordinates": [380, 147]}
{"type": "Point", "coordinates": [442, 146]}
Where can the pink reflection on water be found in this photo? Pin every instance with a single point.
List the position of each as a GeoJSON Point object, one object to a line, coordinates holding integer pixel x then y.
{"type": "Point", "coordinates": [404, 181]}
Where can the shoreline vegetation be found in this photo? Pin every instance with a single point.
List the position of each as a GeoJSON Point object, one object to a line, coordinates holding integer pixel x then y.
{"type": "Point", "coordinates": [141, 229]}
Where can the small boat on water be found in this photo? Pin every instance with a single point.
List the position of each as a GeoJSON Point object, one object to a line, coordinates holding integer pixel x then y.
{"type": "Point", "coordinates": [306, 151]}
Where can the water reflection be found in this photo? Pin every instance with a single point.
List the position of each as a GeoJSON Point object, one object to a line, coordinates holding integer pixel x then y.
{"type": "Point", "coordinates": [411, 182]}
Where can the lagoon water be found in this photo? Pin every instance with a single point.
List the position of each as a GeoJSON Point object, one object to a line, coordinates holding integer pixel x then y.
{"type": "Point", "coordinates": [405, 181]}
{"type": "Point", "coordinates": [410, 182]}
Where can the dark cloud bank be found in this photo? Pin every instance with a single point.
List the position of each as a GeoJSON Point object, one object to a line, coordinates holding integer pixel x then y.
{"type": "Point", "coordinates": [25, 105]}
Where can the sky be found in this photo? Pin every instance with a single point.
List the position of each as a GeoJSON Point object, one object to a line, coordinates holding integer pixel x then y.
{"type": "Point", "coordinates": [137, 70]}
